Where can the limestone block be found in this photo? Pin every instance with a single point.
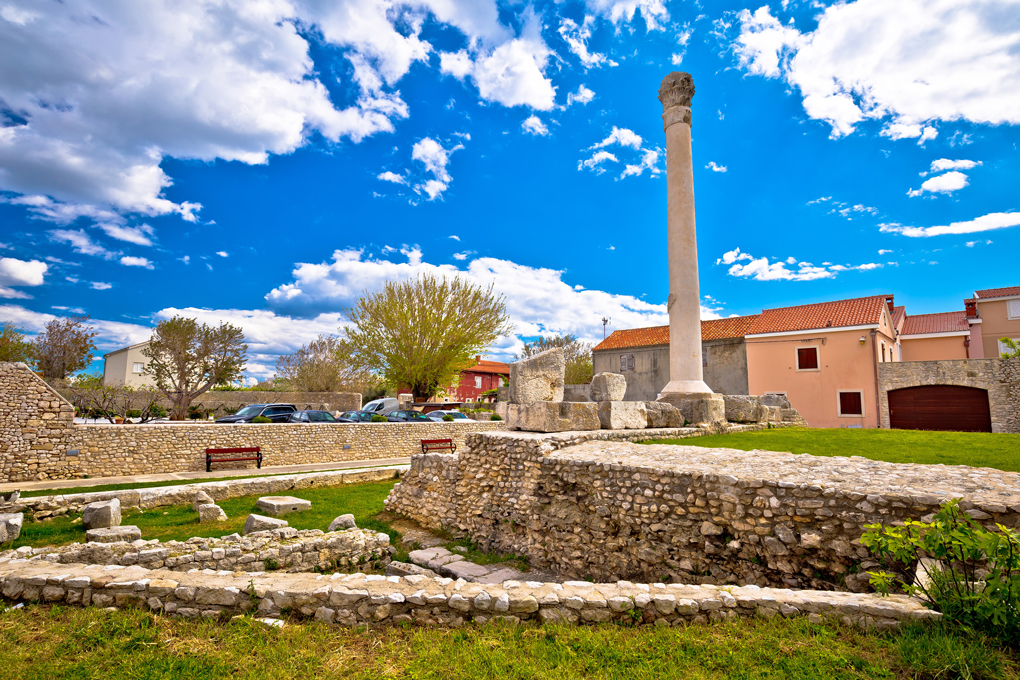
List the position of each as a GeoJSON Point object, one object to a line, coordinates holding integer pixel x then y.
{"type": "Point", "coordinates": [538, 378]}
{"type": "Point", "coordinates": [201, 498]}
{"type": "Point", "coordinates": [101, 514]}
{"type": "Point", "coordinates": [113, 534]}
{"type": "Point", "coordinates": [779, 400]}
{"type": "Point", "coordinates": [210, 512]}
{"type": "Point", "coordinates": [342, 522]}
{"type": "Point", "coordinates": [698, 407]}
{"type": "Point", "coordinates": [281, 505]}
{"type": "Point", "coordinates": [501, 407]}
{"type": "Point", "coordinates": [661, 414]}
{"type": "Point", "coordinates": [548, 416]}
{"type": "Point", "coordinates": [260, 523]}
{"type": "Point", "coordinates": [608, 387]}
{"type": "Point", "coordinates": [623, 415]}
{"type": "Point", "coordinates": [745, 409]}
{"type": "Point", "coordinates": [11, 523]}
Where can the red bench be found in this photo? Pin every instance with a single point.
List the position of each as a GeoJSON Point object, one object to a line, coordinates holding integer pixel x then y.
{"type": "Point", "coordinates": [209, 453]}
{"type": "Point", "coordinates": [428, 445]}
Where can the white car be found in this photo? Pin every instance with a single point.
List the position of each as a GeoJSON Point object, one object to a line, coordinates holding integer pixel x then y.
{"type": "Point", "coordinates": [438, 415]}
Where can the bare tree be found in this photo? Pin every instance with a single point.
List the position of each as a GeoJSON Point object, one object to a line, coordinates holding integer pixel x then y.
{"type": "Point", "coordinates": [420, 333]}
{"type": "Point", "coordinates": [65, 346]}
{"type": "Point", "coordinates": [323, 365]}
{"type": "Point", "coordinates": [186, 359]}
{"type": "Point", "coordinates": [577, 354]}
{"type": "Point", "coordinates": [13, 346]}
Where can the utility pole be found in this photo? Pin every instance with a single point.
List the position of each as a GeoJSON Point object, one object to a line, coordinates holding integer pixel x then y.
{"type": "Point", "coordinates": [604, 322]}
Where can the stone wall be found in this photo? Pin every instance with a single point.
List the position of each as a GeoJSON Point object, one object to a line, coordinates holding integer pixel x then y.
{"type": "Point", "coordinates": [612, 510]}
{"type": "Point", "coordinates": [1000, 377]}
{"type": "Point", "coordinates": [353, 599]}
{"type": "Point", "coordinates": [38, 439]}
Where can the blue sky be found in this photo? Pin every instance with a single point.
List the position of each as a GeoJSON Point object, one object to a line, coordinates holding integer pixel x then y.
{"type": "Point", "coordinates": [266, 163]}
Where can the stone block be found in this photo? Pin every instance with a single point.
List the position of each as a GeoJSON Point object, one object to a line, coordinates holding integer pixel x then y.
{"type": "Point", "coordinates": [101, 514]}
{"type": "Point", "coordinates": [201, 498]}
{"type": "Point", "coordinates": [608, 387]}
{"type": "Point", "coordinates": [281, 505]}
{"type": "Point", "coordinates": [259, 523]}
{"type": "Point", "coordinates": [538, 378]}
{"type": "Point", "coordinates": [698, 407]}
{"type": "Point", "coordinates": [623, 415]}
{"type": "Point", "coordinates": [11, 526]}
{"type": "Point", "coordinates": [778, 400]}
{"type": "Point", "coordinates": [113, 534]}
{"type": "Point", "coordinates": [745, 409]}
{"type": "Point", "coordinates": [548, 416]}
{"type": "Point", "coordinates": [210, 512]}
{"type": "Point", "coordinates": [661, 414]}
{"type": "Point", "coordinates": [342, 522]}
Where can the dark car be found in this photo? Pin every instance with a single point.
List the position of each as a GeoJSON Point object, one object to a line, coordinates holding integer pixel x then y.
{"type": "Point", "coordinates": [278, 413]}
{"type": "Point", "coordinates": [315, 417]}
{"type": "Point", "coordinates": [408, 417]}
{"type": "Point", "coordinates": [358, 416]}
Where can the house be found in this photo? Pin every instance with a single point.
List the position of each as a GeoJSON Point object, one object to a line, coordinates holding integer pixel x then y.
{"type": "Point", "coordinates": [127, 367]}
{"type": "Point", "coordinates": [931, 337]}
{"type": "Point", "coordinates": [995, 314]}
{"type": "Point", "coordinates": [483, 376]}
{"type": "Point", "coordinates": [642, 356]}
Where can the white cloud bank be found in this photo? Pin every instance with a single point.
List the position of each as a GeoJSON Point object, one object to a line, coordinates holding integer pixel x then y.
{"type": "Point", "coordinates": [989, 222]}
{"type": "Point", "coordinates": [942, 184]}
{"type": "Point", "coordinates": [760, 269]}
{"type": "Point", "coordinates": [623, 141]}
{"type": "Point", "coordinates": [533, 125]}
{"type": "Point", "coordinates": [15, 272]}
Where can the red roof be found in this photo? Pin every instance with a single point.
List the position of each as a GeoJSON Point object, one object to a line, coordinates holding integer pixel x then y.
{"type": "Point", "coordinates": [943, 322]}
{"type": "Point", "coordinates": [713, 329]}
{"type": "Point", "coordinates": [898, 314]}
{"type": "Point", "coordinates": [997, 292]}
{"type": "Point", "coordinates": [855, 312]}
{"type": "Point", "coordinates": [486, 366]}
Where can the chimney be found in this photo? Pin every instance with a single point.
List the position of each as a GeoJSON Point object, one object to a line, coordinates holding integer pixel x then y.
{"type": "Point", "coordinates": [971, 307]}
{"type": "Point", "coordinates": [889, 301]}
{"type": "Point", "coordinates": [478, 359]}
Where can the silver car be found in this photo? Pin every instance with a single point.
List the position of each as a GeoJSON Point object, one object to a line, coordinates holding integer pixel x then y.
{"type": "Point", "coordinates": [438, 415]}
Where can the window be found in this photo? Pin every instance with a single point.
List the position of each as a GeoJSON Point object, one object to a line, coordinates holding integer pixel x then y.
{"type": "Point", "coordinates": [807, 358]}
{"type": "Point", "coordinates": [1013, 309]}
{"type": "Point", "coordinates": [478, 381]}
{"type": "Point", "coordinates": [883, 353]}
{"type": "Point", "coordinates": [851, 404]}
{"type": "Point", "coordinates": [626, 363]}
{"type": "Point", "coordinates": [139, 367]}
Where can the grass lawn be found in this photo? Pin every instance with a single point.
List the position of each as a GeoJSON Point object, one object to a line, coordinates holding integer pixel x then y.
{"type": "Point", "coordinates": [977, 449]}
{"type": "Point", "coordinates": [42, 641]}
{"type": "Point", "coordinates": [180, 522]}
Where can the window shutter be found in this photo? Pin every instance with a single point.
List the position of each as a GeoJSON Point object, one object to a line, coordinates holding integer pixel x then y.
{"type": "Point", "coordinates": [850, 404]}
{"type": "Point", "coordinates": [807, 358]}
{"type": "Point", "coordinates": [1013, 310]}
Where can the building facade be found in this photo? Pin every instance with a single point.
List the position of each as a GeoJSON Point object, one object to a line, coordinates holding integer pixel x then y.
{"type": "Point", "coordinates": [996, 315]}
{"type": "Point", "coordinates": [484, 376]}
{"type": "Point", "coordinates": [127, 367]}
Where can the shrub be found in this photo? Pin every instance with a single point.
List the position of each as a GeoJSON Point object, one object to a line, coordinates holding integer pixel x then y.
{"type": "Point", "coordinates": [261, 419]}
{"type": "Point", "coordinates": [448, 418]}
{"type": "Point", "coordinates": [379, 419]}
{"type": "Point", "coordinates": [495, 416]}
{"type": "Point", "coordinates": [977, 580]}
{"type": "Point", "coordinates": [157, 411]}
{"type": "Point", "coordinates": [134, 413]}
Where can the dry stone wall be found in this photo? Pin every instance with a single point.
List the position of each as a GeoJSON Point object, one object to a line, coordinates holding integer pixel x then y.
{"type": "Point", "coordinates": [611, 510]}
{"type": "Point", "coordinates": [39, 440]}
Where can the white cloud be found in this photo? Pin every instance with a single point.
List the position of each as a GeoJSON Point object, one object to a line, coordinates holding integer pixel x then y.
{"type": "Point", "coordinates": [582, 96]}
{"type": "Point", "coordinates": [971, 244]}
{"type": "Point", "coordinates": [823, 199]}
{"type": "Point", "coordinates": [463, 256]}
{"type": "Point", "coordinates": [623, 11]}
{"type": "Point", "coordinates": [454, 237]}
{"type": "Point", "coordinates": [533, 125]}
{"type": "Point", "coordinates": [682, 38]}
{"type": "Point", "coordinates": [15, 272]}
{"type": "Point", "coordinates": [715, 168]}
{"type": "Point", "coordinates": [759, 269]}
{"type": "Point", "coordinates": [649, 161]}
{"type": "Point", "coordinates": [577, 37]}
{"type": "Point", "coordinates": [138, 235]}
{"type": "Point", "coordinates": [99, 285]}
{"type": "Point", "coordinates": [620, 137]}
{"type": "Point", "coordinates": [733, 256]}
{"type": "Point", "coordinates": [907, 63]}
{"type": "Point", "coordinates": [81, 242]}
{"type": "Point", "coordinates": [943, 164]}
{"type": "Point", "coordinates": [987, 222]}
{"type": "Point", "coordinates": [435, 158]}
{"type": "Point", "coordinates": [627, 142]}
{"type": "Point", "coordinates": [595, 162]}
{"type": "Point", "coordinates": [222, 253]}
{"type": "Point", "coordinates": [130, 261]}
{"type": "Point", "coordinates": [186, 259]}
{"type": "Point", "coordinates": [943, 184]}
{"type": "Point", "coordinates": [884, 252]}
{"type": "Point", "coordinates": [392, 177]}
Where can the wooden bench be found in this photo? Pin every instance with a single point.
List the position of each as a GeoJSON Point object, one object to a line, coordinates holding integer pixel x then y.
{"type": "Point", "coordinates": [209, 453]}
{"type": "Point", "coordinates": [428, 445]}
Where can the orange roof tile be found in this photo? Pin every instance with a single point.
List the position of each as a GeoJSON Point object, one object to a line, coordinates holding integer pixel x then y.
{"type": "Point", "coordinates": [486, 366]}
{"type": "Point", "coordinates": [840, 313]}
{"type": "Point", "coordinates": [721, 329]}
{"type": "Point", "coordinates": [943, 322]}
{"type": "Point", "coordinates": [713, 329]}
{"type": "Point", "coordinates": [898, 315]}
{"type": "Point", "coordinates": [997, 292]}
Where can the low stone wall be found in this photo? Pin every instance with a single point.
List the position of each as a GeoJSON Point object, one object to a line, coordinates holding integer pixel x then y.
{"type": "Point", "coordinates": [1000, 377]}
{"type": "Point", "coordinates": [359, 599]}
{"type": "Point", "coordinates": [38, 439]}
{"type": "Point", "coordinates": [286, 549]}
{"type": "Point", "coordinates": [610, 510]}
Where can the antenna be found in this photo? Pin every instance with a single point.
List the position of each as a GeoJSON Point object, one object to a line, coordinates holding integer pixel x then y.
{"type": "Point", "coordinates": [605, 321]}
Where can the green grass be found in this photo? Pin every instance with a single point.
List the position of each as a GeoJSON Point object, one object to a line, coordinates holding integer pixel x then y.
{"type": "Point", "coordinates": [977, 449]}
{"type": "Point", "coordinates": [149, 485]}
{"type": "Point", "coordinates": [43, 641]}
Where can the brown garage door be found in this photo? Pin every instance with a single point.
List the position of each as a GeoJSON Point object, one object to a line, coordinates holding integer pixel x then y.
{"type": "Point", "coordinates": [940, 407]}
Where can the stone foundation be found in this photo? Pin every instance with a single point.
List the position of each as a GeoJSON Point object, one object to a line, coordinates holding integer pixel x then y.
{"type": "Point", "coordinates": [611, 510]}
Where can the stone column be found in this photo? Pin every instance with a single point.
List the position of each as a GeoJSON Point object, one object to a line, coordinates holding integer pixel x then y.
{"type": "Point", "coordinates": [686, 389]}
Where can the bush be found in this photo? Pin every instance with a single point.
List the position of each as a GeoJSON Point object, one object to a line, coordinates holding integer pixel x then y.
{"type": "Point", "coordinates": [977, 580]}
{"type": "Point", "coordinates": [448, 418]}
{"type": "Point", "coordinates": [261, 419]}
{"type": "Point", "coordinates": [495, 416]}
{"type": "Point", "coordinates": [157, 411]}
{"type": "Point", "coordinates": [134, 413]}
{"type": "Point", "coordinates": [379, 419]}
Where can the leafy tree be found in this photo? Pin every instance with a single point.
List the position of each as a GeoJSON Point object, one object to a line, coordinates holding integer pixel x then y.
{"type": "Point", "coordinates": [64, 347]}
{"type": "Point", "coordinates": [577, 354]}
{"type": "Point", "coordinates": [323, 365]}
{"type": "Point", "coordinates": [420, 333]}
{"type": "Point", "coordinates": [13, 346]}
{"type": "Point", "coordinates": [186, 359]}
{"type": "Point", "coordinates": [1012, 348]}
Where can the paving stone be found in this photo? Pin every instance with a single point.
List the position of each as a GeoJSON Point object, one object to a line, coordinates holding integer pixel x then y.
{"type": "Point", "coordinates": [465, 570]}
{"type": "Point", "coordinates": [126, 533]}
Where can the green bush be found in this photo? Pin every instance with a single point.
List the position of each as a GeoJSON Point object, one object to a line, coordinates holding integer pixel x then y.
{"type": "Point", "coordinates": [978, 580]}
{"type": "Point", "coordinates": [157, 411]}
{"type": "Point", "coordinates": [134, 413]}
{"type": "Point", "coordinates": [261, 419]}
{"type": "Point", "coordinates": [379, 419]}
{"type": "Point", "coordinates": [448, 418]}
{"type": "Point", "coordinates": [495, 416]}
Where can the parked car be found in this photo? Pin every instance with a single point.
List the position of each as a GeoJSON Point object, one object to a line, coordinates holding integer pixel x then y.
{"type": "Point", "coordinates": [278, 413]}
{"type": "Point", "coordinates": [357, 416]}
{"type": "Point", "coordinates": [438, 415]}
{"type": "Point", "coordinates": [315, 417]}
{"type": "Point", "coordinates": [381, 406]}
{"type": "Point", "coordinates": [407, 417]}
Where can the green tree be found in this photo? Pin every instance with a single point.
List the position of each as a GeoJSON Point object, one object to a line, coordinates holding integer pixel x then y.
{"type": "Point", "coordinates": [579, 368]}
{"type": "Point", "coordinates": [13, 346]}
{"type": "Point", "coordinates": [186, 359]}
{"type": "Point", "coordinates": [323, 365]}
{"type": "Point", "coordinates": [64, 347]}
{"type": "Point", "coordinates": [420, 333]}
{"type": "Point", "coordinates": [1012, 348]}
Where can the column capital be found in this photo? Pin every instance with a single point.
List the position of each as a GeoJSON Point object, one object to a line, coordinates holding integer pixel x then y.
{"type": "Point", "coordinates": [675, 94]}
